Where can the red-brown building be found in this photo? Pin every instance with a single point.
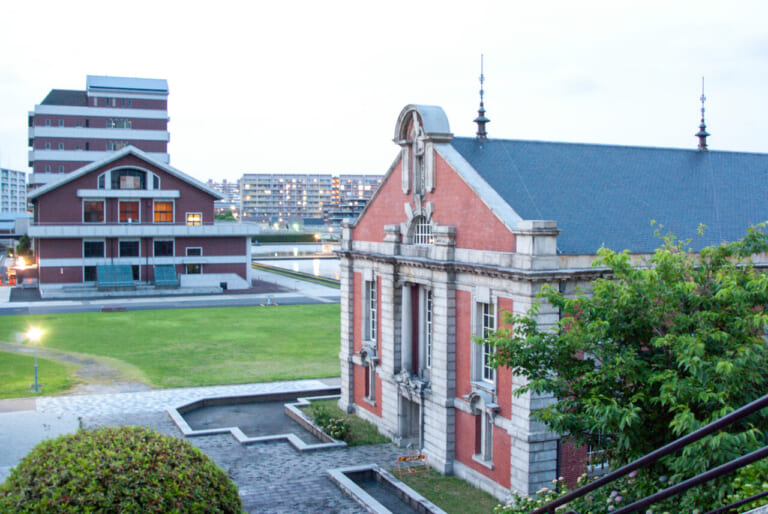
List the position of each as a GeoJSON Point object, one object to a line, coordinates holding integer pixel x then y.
{"type": "Point", "coordinates": [71, 128]}
{"type": "Point", "coordinates": [461, 230]}
{"type": "Point", "coordinates": [132, 211]}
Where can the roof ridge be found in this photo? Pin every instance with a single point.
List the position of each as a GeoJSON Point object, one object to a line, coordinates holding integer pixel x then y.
{"type": "Point", "coordinates": [606, 145]}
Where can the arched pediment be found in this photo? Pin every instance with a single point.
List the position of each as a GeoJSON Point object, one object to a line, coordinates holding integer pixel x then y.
{"type": "Point", "coordinates": [481, 401]}
{"type": "Point", "coordinates": [431, 120]}
{"type": "Point", "coordinates": [368, 355]}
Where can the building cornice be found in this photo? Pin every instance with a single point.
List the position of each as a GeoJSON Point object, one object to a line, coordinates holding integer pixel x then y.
{"type": "Point", "coordinates": [549, 275]}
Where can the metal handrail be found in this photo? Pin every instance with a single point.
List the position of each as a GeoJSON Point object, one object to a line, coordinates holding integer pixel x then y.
{"type": "Point", "coordinates": [655, 455]}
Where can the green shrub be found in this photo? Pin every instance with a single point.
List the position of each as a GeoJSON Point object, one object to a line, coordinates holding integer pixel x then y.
{"type": "Point", "coordinates": [335, 427]}
{"type": "Point", "coordinates": [125, 469]}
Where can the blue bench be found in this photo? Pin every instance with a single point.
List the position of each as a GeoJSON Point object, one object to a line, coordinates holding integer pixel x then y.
{"type": "Point", "coordinates": [165, 276]}
{"type": "Point", "coordinates": [117, 276]}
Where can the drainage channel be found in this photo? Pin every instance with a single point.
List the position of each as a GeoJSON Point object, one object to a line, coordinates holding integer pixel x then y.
{"type": "Point", "coordinates": [379, 492]}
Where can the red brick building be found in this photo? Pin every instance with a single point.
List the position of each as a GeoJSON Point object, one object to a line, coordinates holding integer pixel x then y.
{"type": "Point", "coordinates": [129, 209]}
{"type": "Point", "coordinates": [461, 230]}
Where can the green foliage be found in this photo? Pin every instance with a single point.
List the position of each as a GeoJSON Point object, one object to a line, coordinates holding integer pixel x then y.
{"type": "Point", "coordinates": [225, 216]}
{"type": "Point", "coordinates": [749, 481]}
{"type": "Point", "coordinates": [360, 431]}
{"type": "Point", "coordinates": [654, 353]}
{"type": "Point", "coordinates": [336, 427]}
{"type": "Point", "coordinates": [24, 247]}
{"type": "Point", "coordinates": [603, 500]}
{"type": "Point", "coordinates": [284, 238]}
{"type": "Point", "coordinates": [126, 469]}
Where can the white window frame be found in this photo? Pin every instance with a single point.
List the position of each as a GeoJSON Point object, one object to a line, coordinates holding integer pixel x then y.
{"type": "Point", "coordinates": [103, 211]}
{"type": "Point", "coordinates": [138, 212]}
{"type": "Point", "coordinates": [103, 248]}
{"type": "Point", "coordinates": [488, 323]}
{"type": "Point", "coordinates": [483, 375]}
{"type": "Point", "coordinates": [421, 231]}
{"type": "Point", "coordinates": [200, 221]}
{"type": "Point", "coordinates": [173, 247]}
{"type": "Point", "coordinates": [128, 240]}
{"type": "Point", "coordinates": [173, 212]}
{"type": "Point", "coordinates": [186, 265]}
{"type": "Point", "coordinates": [370, 310]}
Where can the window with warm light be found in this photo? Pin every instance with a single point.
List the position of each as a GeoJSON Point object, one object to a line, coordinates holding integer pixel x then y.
{"type": "Point", "coordinates": [163, 212]}
{"type": "Point", "coordinates": [194, 218]}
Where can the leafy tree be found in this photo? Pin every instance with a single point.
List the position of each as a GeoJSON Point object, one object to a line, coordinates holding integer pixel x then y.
{"type": "Point", "coordinates": [225, 216]}
{"type": "Point", "coordinates": [24, 247]}
{"type": "Point", "coordinates": [653, 353]}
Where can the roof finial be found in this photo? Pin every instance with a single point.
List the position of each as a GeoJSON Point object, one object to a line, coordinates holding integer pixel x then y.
{"type": "Point", "coordinates": [702, 133]}
{"type": "Point", "coordinates": [481, 120]}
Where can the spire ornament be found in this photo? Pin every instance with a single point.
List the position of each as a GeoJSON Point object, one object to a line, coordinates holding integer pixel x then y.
{"type": "Point", "coordinates": [702, 134]}
{"type": "Point", "coordinates": [481, 120]}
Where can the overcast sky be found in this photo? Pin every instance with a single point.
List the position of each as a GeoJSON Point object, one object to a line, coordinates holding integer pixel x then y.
{"type": "Point", "coordinates": [316, 86]}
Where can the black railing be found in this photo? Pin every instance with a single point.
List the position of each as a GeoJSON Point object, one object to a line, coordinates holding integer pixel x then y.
{"type": "Point", "coordinates": [672, 447]}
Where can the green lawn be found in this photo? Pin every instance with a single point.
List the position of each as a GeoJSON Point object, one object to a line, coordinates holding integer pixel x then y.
{"type": "Point", "coordinates": [195, 347]}
{"type": "Point", "coordinates": [17, 374]}
{"type": "Point", "coordinates": [451, 494]}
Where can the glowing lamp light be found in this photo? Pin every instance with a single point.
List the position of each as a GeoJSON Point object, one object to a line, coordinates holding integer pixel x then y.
{"type": "Point", "coordinates": [20, 263]}
{"type": "Point", "coordinates": [34, 334]}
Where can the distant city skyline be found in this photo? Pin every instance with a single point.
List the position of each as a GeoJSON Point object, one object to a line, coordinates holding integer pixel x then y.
{"type": "Point", "coordinates": [307, 87]}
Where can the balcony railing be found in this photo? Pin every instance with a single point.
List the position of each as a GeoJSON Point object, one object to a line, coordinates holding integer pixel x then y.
{"type": "Point", "coordinates": [680, 488]}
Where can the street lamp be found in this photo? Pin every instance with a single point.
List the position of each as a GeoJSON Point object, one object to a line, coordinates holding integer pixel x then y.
{"type": "Point", "coordinates": [34, 334]}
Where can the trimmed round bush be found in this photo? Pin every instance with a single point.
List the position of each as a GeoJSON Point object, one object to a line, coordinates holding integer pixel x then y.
{"type": "Point", "coordinates": [118, 469]}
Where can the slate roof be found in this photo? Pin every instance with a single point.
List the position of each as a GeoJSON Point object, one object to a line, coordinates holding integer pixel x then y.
{"type": "Point", "coordinates": [602, 195]}
{"type": "Point", "coordinates": [66, 97]}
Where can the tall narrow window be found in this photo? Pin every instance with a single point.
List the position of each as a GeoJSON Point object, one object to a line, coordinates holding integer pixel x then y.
{"type": "Point", "coordinates": [93, 211]}
{"type": "Point", "coordinates": [428, 328]}
{"type": "Point", "coordinates": [488, 327]}
{"type": "Point", "coordinates": [163, 212]}
{"type": "Point", "coordinates": [371, 310]}
{"type": "Point", "coordinates": [129, 211]}
{"type": "Point", "coordinates": [194, 268]}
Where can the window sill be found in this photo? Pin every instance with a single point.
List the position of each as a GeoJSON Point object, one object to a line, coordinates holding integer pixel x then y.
{"type": "Point", "coordinates": [480, 460]}
{"type": "Point", "coordinates": [370, 401]}
{"type": "Point", "coordinates": [484, 386]}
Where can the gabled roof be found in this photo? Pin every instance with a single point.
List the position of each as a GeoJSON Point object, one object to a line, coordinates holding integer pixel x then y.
{"type": "Point", "coordinates": [65, 97]}
{"type": "Point", "coordinates": [602, 195]}
{"type": "Point", "coordinates": [127, 150]}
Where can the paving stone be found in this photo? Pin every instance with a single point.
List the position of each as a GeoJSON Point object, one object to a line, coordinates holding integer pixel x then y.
{"type": "Point", "coordinates": [272, 477]}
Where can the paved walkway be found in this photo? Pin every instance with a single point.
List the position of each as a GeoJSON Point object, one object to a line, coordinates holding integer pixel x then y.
{"type": "Point", "coordinates": [271, 477]}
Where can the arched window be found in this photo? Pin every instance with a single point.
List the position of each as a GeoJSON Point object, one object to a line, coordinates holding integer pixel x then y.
{"type": "Point", "coordinates": [422, 231]}
{"type": "Point", "coordinates": [129, 179]}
